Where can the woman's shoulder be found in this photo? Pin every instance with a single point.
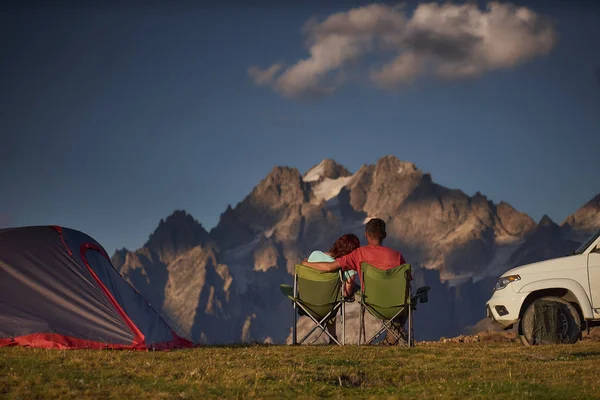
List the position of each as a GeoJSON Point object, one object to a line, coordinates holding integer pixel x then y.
{"type": "Point", "coordinates": [319, 256]}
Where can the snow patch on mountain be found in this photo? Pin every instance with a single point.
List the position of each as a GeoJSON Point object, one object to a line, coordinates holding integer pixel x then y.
{"type": "Point", "coordinates": [269, 233]}
{"type": "Point", "coordinates": [506, 240]}
{"type": "Point", "coordinates": [330, 188]}
{"type": "Point", "coordinates": [315, 173]}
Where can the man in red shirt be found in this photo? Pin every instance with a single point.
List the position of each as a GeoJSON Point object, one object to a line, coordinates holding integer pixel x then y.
{"type": "Point", "coordinates": [374, 253]}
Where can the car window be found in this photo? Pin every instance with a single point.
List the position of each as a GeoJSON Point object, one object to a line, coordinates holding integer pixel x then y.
{"type": "Point", "coordinates": [587, 243]}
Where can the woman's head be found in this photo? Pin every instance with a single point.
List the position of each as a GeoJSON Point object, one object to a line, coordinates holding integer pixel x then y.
{"type": "Point", "coordinates": [344, 245]}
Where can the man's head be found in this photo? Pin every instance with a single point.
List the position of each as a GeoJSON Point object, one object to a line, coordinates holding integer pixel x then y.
{"type": "Point", "coordinates": [375, 231]}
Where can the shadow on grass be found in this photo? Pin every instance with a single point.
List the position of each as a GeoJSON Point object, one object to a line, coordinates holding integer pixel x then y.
{"type": "Point", "coordinates": [585, 354]}
{"type": "Point", "coordinates": [348, 380]}
{"type": "Point", "coordinates": [237, 346]}
{"type": "Point", "coordinates": [262, 346]}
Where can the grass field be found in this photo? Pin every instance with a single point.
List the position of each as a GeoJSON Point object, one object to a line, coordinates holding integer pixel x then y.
{"type": "Point", "coordinates": [451, 370]}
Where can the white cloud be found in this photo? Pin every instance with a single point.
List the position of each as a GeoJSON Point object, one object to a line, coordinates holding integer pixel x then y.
{"type": "Point", "coordinates": [448, 41]}
{"type": "Point", "coordinates": [264, 77]}
{"type": "Point", "coordinates": [402, 69]}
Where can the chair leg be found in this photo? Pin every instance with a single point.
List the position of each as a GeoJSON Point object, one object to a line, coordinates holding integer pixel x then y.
{"type": "Point", "coordinates": [294, 327]}
{"type": "Point", "coordinates": [374, 336]}
{"type": "Point", "coordinates": [361, 323]}
{"type": "Point", "coordinates": [385, 325]}
{"type": "Point", "coordinates": [410, 325]}
{"type": "Point", "coordinates": [294, 337]}
{"type": "Point", "coordinates": [317, 326]}
{"type": "Point", "coordinates": [343, 323]}
{"type": "Point", "coordinates": [321, 324]}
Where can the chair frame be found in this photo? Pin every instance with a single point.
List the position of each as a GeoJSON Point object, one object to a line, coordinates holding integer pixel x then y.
{"type": "Point", "coordinates": [387, 323]}
{"type": "Point", "coordinates": [319, 324]}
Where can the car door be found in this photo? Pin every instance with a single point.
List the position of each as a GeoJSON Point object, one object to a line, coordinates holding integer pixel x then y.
{"type": "Point", "coordinates": [594, 274]}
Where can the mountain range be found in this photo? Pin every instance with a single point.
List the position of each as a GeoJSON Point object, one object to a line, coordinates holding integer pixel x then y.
{"type": "Point", "coordinates": [222, 286]}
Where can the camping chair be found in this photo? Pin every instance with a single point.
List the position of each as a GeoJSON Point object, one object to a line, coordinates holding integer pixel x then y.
{"type": "Point", "coordinates": [317, 295]}
{"type": "Point", "coordinates": [386, 295]}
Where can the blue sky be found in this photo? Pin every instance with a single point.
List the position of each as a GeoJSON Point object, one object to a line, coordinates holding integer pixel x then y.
{"type": "Point", "coordinates": [113, 117]}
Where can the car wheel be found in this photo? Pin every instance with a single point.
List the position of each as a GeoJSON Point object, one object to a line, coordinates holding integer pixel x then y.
{"type": "Point", "coordinates": [569, 328]}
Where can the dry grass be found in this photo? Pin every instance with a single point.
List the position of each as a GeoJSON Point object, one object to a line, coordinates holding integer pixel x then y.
{"type": "Point", "coordinates": [451, 370]}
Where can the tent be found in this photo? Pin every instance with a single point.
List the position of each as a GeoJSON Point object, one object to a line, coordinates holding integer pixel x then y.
{"type": "Point", "coordinates": [58, 289]}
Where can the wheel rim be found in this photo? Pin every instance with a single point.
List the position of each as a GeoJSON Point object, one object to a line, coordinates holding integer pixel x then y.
{"type": "Point", "coordinates": [530, 329]}
{"type": "Point", "coordinates": [564, 334]}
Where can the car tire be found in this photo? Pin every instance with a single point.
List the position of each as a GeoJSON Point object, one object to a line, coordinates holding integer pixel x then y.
{"type": "Point", "coordinates": [572, 322]}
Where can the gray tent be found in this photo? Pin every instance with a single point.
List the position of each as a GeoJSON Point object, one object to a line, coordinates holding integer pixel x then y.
{"type": "Point", "coordinates": [58, 289]}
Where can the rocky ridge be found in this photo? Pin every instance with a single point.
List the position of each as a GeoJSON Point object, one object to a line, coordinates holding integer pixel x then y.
{"type": "Point", "coordinates": [223, 286]}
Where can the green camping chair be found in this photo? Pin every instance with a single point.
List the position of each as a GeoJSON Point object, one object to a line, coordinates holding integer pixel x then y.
{"type": "Point", "coordinates": [386, 295]}
{"type": "Point", "coordinates": [317, 295]}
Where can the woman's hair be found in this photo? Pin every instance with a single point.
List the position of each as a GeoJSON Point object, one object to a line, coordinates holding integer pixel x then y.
{"type": "Point", "coordinates": [344, 245]}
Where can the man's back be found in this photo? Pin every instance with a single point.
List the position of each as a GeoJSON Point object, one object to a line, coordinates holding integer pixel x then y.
{"type": "Point", "coordinates": [378, 256]}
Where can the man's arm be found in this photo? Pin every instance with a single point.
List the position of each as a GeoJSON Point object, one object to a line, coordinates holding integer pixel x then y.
{"type": "Point", "coordinates": [322, 266]}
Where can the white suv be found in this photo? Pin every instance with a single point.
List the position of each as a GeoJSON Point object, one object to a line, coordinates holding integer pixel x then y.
{"type": "Point", "coordinates": [571, 283]}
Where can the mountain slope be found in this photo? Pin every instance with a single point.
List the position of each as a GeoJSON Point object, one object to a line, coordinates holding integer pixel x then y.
{"type": "Point", "coordinates": [585, 221]}
{"type": "Point", "coordinates": [224, 286]}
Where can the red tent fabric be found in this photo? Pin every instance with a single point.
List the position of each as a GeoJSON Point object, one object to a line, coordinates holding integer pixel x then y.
{"type": "Point", "coordinates": [58, 289]}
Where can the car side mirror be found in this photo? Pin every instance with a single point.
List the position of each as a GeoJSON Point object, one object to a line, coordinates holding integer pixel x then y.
{"type": "Point", "coordinates": [597, 249]}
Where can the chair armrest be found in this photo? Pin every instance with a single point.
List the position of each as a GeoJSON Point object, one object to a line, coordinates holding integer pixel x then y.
{"type": "Point", "coordinates": [287, 291]}
{"type": "Point", "coordinates": [422, 295]}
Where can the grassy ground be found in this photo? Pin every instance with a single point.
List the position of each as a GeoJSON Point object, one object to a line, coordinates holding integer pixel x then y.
{"type": "Point", "coordinates": [477, 370]}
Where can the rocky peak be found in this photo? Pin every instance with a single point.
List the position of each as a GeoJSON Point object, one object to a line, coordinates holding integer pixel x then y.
{"type": "Point", "coordinates": [232, 230]}
{"type": "Point", "coordinates": [515, 223]}
{"type": "Point", "coordinates": [118, 259]}
{"type": "Point", "coordinates": [281, 185]}
{"type": "Point", "coordinates": [281, 190]}
{"type": "Point", "coordinates": [546, 241]}
{"type": "Point", "coordinates": [587, 219]}
{"type": "Point", "coordinates": [546, 221]}
{"type": "Point", "coordinates": [360, 186]}
{"type": "Point", "coordinates": [392, 181]}
{"type": "Point", "coordinates": [391, 164]}
{"type": "Point", "coordinates": [176, 234]}
{"type": "Point", "coordinates": [326, 169]}
{"type": "Point", "coordinates": [480, 200]}
{"type": "Point", "coordinates": [546, 228]}
{"type": "Point", "coordinates": [593, 204]}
